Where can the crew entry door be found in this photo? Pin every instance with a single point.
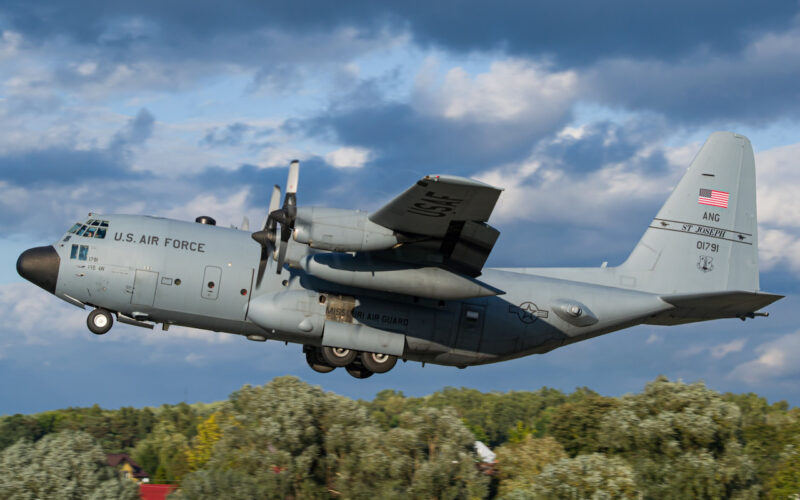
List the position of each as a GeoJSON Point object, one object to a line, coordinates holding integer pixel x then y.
{"type": "Point", "coordinates": [144, 288]}
{"type": "Point", "coordinates": [470, 327]}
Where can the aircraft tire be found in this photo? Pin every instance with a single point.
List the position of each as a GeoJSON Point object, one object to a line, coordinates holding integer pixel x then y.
{"type": "Point", "coordinates": [338, 356]}
{"type": "Point", "coordinates": [378, 363]}
{"type": "Point", "coordinates": [357, 370]}
{"type": "Point", "coordinates": [315, 361]}
{"type": "Point", "coordinates": [99, 321]}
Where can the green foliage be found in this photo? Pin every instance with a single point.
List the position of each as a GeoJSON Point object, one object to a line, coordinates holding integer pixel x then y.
{"type": "Point", "coordinates": [163, 453]}
{"type": "Point", "coordinates": [682, 441]}
{"type": "Point", "coordinates": [785, 482]}
{"type": "Point", "coordinates": [594, 476]}
{"type": "Point", "coordinates": [61, 466]}
{"type": "Point", "coordinates": [520, 462]}
{"type": "Point", "coordinates": [576, 425]}
{"type": "Point", "coordinates": [289, 439]}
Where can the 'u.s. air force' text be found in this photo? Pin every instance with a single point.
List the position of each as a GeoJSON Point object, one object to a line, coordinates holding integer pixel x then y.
{"type": "Point", "coordinates": [149, 239]}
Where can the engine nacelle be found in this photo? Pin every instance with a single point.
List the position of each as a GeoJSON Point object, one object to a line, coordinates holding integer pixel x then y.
{"type": "Point", "coordinates": [298, 312]}
{"type": "Point", "coordinates": [340, 230]}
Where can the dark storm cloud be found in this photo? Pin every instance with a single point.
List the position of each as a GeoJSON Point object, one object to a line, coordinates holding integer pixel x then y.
{"type": "Point", "coordinates": [575, 32]}
{"type": "Point", "coordinates": [403, 139]}
{"type": "Point", "coordinates": [756, 86]}
{"type": "Point", "coordinates": [604, 143]}
{"type": "Point", "coordinates": [69, 166]}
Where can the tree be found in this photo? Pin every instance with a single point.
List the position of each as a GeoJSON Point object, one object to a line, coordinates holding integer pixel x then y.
{"type": "Point", "coordinates": [785, 482]}
{"type": "Point", "coordinates": [682, 441]}
{"type": "Point", "coordinates": [576, 425]}
{"type": "Point", "coordinates": [61, 466]}
{"type": "Point", "coordinates": [595, 476]}
{"type": "Point", "coordinates": [290, 439]}
{"type": "Point", "coordinates": [519, 463]}
{"type": "Point", "coordinates": [433, 456]}
{"type": "Point", "coordinates": [162, 454]}
{"type": "Point", "coordinates": [208, 433]}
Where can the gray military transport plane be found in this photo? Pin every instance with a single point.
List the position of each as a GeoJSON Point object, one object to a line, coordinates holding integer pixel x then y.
{"type": "Point", "coordinates": [359, 290]}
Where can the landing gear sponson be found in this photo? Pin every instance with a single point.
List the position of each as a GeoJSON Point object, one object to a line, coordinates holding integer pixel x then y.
{"type": "Point", "coordinates": [357, 364]}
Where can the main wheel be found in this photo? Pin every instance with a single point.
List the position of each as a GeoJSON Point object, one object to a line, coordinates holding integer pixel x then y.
{"type": "Point", "coordinates": [358, 371]}
{"type": "Point", "coordinates": [378, 363]}
{"type": "Point", "coordinates": [99, 321]}
{"type": "Point", "coordinates": [338, 356]}
{"type": "Point", "coordinates": [315, 361]}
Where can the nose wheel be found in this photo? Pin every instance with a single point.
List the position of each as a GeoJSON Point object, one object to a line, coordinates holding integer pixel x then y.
{"type": "Point", "coordinates": [99, 321]}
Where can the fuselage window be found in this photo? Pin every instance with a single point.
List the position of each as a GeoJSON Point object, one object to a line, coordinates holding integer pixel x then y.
{"type": "Point", "coordinates": [101, 233]}
{"type": "Point", "coordinates": [74, 229]}
{"type": "Point", "coordinates": [74, 252]}
{"type": "Point", "coordinates": [83, 253]}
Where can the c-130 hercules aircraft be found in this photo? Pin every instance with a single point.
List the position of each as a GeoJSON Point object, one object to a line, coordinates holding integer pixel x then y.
{"type": "Point", "coordinates": [360, 290]}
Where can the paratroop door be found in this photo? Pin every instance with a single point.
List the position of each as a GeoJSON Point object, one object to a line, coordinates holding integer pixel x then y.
{"type": "Point", "coordinates": [144, 288]}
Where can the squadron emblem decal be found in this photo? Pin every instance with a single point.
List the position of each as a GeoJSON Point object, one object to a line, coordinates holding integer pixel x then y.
{"type": "Point", "coordinates": [705, 263]}
{"type": "Point", "coordinates": [528, 312]}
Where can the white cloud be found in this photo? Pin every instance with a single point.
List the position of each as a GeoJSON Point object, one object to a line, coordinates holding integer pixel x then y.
{"type": "Point", "coordinates": [348, 157]}
{"type": "Point", "coordinates": [776, 359]}
{"type": "Point", "coordinates": [226, 210]}
{"type": "Point", "coordinates": [556, 194]}
{"type": "Point", "coordinates": [511, 91]}
{"type": "Point", "coordinates": [717, 351]}
{"type": "Point", "coordinates": [721, 350]}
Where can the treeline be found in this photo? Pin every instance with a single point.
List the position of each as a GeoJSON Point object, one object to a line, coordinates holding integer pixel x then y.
{"type": "Point", "coordinates": [288, 439]}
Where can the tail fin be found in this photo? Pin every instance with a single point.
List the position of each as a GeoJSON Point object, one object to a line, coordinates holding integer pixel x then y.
{"type": "Point", "coordinates": [704, 238]}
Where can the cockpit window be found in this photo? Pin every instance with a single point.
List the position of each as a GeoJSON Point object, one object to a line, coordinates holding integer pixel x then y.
{"type": "Point", "coordinates": [83, 252]}
{"type": "Point", "coordinates": [93, 228]}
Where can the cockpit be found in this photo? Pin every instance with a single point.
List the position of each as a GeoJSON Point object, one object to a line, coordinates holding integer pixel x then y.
{"type": "Point", "coordinates": [92, 228]}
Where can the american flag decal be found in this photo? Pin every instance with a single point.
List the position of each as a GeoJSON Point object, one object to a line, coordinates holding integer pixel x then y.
{"type": "Point", "coordinates": [713, 197]}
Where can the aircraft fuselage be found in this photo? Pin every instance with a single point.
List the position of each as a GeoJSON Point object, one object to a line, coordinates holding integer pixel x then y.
{"type": "Point", "coordinates": [156, 270]}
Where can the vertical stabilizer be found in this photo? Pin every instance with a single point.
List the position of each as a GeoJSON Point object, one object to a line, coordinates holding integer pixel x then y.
{"type": "Point", "coordinates": [704, 238]}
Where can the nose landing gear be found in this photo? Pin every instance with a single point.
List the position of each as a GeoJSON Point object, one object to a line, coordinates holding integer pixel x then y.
{"type": "Point", "coordinates": [99, 321]}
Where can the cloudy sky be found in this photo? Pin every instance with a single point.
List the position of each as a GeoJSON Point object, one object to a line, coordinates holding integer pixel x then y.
{"type": "Point", "coordinates": [585, 112]}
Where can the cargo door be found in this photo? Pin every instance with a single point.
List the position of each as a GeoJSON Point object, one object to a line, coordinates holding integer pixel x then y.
{"type": "Point", "coordinates": [470, 327]}
{"type": "Point", "coordinates": [144, 288]}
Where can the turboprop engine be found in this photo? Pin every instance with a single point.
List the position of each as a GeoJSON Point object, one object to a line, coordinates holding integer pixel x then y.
{"type": "Point", "coordinates": [340, 230]}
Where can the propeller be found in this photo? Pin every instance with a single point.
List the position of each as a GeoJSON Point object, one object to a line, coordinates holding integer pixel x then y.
{"type": "Point", "coordinates": [266, 236]}
{"type": "Point", "coordinates": [285, 216]}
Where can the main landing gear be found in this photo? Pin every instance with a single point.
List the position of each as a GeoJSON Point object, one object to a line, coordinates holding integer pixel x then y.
{"type": "Point", "coordinates": [99, 321]}
{"type": "Point", "coordinates": [358, 364]}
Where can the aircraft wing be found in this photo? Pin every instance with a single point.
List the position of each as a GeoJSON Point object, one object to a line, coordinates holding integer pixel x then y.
{"type": "Point", "coordinates": [443, 219]}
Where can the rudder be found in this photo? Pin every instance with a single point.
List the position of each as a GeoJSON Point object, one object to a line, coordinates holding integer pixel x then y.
{"type": "Point", "coordinates": [705, 237]}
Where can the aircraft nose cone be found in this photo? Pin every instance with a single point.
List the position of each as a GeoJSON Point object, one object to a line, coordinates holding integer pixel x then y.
{"type": "Point", "coordinates": [40, 266]}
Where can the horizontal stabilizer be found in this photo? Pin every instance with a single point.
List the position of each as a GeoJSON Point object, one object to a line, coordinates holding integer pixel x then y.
{"type": "Point", "coordinates": [714, 305]}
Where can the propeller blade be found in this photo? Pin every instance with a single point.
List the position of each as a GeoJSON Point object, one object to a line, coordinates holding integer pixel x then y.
{"type": "Point", "coordinates": [245, 224]}
{"type": "Point", "coordinates": [267, 236]}
{"type": "Point", "coordinates": [294, 175]}
{"type": "Point", "coordinates": [281, 256]}
{"type": "Point", "coordinates": [274, 201]}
